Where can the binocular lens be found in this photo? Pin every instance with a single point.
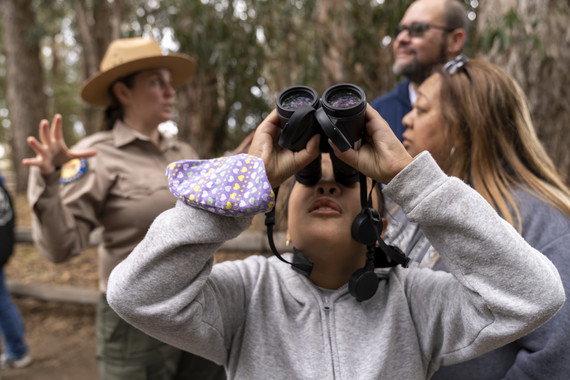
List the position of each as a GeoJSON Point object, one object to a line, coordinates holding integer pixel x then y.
{"type": "Point", "coordinates": [297, 99]}
{"type": "Point", "coordinates": [344, 98]}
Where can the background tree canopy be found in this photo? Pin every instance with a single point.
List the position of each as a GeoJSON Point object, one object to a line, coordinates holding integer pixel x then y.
{"type": "Point", "coordinates": [247, 52]}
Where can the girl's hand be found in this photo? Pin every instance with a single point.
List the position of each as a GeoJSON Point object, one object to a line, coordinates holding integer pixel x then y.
{"type": "Point", "coordinates": [280, 163]}
{"type": "Point", "coordinates": [52, 152]}
{"type": "Point", "coordinates": [381, 155]}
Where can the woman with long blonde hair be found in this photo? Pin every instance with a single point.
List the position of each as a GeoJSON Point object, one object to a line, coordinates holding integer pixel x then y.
{"type": "Point", "coordinates": [474, 119]}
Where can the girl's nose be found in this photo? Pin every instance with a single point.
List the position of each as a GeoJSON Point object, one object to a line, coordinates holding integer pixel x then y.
{"type": "Point", "coordinates": [328, 188]}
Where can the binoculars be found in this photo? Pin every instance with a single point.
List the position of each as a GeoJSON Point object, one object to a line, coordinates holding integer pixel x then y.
{"type": "Point", "coordinates": [339, 116]}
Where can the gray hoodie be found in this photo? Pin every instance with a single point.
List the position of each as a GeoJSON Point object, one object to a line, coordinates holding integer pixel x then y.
{"type": "Point", "coordinates": [263, 320]}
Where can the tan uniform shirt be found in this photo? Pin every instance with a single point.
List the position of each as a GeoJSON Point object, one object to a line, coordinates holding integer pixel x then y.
{"type": "Point", "coordinates": [122, 188]}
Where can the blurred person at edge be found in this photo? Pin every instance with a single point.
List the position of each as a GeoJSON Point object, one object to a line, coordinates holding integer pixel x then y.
{"type": "Point", "coordinates": [12, 329]}
{"type": "Point", "coordinates": [114, 179]}
{"type": "Point", "coordinates": [431, 33]}
{"type": "Point", "coordinates": [474, 119]}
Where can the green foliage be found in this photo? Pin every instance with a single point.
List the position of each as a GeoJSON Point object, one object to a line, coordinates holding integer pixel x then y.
{"type": "Point", "coordinates": [254, 49]}
{"type": "Point", "coordinates": [61, 79]}
{"type": "Point", "coordinates": [230, 61]}
{"type": "Point", "coordinates": [247, 50]}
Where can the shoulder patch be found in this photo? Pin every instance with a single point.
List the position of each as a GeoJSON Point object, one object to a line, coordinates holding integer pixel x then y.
{"type": "Point", "coordinates": [73, 170]}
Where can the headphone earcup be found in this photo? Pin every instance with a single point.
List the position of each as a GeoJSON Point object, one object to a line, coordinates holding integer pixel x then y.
{"type": "Point", "coordinates": [364, 230]}
{"type": "Point", "coordinates": [363, 284]}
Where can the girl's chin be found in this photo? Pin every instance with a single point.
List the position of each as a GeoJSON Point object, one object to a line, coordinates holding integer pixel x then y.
{"type": "Point", "coordinates": [326, 244]}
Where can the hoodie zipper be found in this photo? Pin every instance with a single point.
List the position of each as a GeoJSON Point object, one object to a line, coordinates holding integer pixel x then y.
{"type": "Point", "coordinates": [327, 307]}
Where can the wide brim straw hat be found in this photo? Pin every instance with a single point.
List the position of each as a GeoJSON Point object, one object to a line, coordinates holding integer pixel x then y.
{"type": "Point", "coordinates": [128, 55]}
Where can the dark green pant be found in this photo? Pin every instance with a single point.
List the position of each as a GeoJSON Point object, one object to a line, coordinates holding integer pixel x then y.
{"type": "Point", "coordinates": [126, 353]}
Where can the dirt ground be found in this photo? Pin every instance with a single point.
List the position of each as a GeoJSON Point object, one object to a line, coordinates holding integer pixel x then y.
{"type": "Point", "coordinates": [61, 339]}
{"type": "Point", "coordinates": [60, 336]}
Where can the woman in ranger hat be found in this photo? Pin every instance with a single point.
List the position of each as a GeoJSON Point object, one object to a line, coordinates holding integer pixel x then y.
{"type": "Point", "coordinates": [114, 179]}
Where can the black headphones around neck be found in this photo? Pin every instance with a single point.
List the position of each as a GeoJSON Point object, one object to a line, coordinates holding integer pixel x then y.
{"type": "Point", "coordinates": [366, 229]}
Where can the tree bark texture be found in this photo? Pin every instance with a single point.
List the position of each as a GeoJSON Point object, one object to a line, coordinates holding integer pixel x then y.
{"type": "Point", "coordinates": [97, 26]}
{"type": "Point", "coordinates": [24, 80]}
{"type": "Point", "coordinates": [200, 122]}
{"type": "Point", "coordinates": [531, 43]}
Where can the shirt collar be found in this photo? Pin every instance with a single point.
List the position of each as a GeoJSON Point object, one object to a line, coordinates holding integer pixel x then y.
{"type": "Point", "coordinates": [124, 135]}
{"type": "Point", "coordinates": [413, 94]}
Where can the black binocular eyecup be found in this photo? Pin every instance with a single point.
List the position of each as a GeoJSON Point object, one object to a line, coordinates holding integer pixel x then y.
{"type": "Point", "coordinates": [339, 116]}
{"type": "Point", "coordinates": [297, 130]}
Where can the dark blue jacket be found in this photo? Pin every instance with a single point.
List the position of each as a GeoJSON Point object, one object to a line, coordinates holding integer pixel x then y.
{"type": "Point", "coordinates": [7, 223]}
{"type": "Point", "coordinates": [394, 105]}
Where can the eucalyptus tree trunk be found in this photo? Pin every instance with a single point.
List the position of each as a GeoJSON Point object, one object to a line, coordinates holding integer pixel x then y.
{"type": "Point", "coordinates": [334, 35]}
{"type": "Point", "coordinates": [530, 40]}
{"type": "Point", "coordinates": [201, 122]}
{"type": "Point", "coordinates": [24, 81]}
{"type": "Point", "coordinates": [97, 25]}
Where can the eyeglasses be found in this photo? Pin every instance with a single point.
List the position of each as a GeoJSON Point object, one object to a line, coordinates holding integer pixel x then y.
{"type": "Point", "coordinates": [418, 29]}
{"type": "Point", "coordinates": [457, 63]}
